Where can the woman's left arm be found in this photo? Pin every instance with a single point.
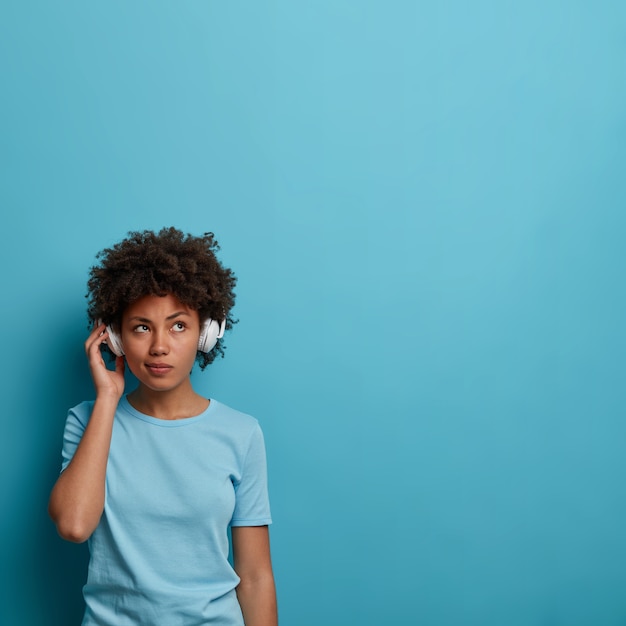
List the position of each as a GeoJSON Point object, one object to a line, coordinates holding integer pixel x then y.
{"type": "Point", "coordinates": [256, 592]}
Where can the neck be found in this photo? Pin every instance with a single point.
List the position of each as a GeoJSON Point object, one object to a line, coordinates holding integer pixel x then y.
{"type": "Point", "coordinates": [174, 404]}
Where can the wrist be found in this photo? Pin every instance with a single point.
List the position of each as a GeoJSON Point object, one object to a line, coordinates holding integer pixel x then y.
{"type": "Point", "coordinates": [107, 398]}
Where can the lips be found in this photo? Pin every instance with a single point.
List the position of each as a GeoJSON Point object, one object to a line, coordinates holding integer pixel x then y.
{"type": "Point", "coordinates": [158, 368]}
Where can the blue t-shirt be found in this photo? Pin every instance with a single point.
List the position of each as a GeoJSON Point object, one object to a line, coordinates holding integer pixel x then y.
{"type": "Point", "coordinates": [159, 556]}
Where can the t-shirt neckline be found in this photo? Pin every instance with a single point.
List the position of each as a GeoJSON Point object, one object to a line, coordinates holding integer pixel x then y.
{"type": "Point", "coordinates": [125, 405]}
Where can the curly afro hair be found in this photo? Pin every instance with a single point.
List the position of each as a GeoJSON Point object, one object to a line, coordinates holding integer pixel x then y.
{"type": "Point", "coordinates": [167, 262]}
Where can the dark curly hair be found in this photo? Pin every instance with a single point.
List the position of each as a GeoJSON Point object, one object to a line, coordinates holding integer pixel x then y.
{"type": "Point", "coordinates": [167, 262]}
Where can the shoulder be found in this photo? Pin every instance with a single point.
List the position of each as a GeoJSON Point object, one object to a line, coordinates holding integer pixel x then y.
{"type": "Point", "coordinates": [232, 417]}
{"type": "Point", "coordinates": [235, 425]}
{"type": "Point", "coordinates": [81, 412]}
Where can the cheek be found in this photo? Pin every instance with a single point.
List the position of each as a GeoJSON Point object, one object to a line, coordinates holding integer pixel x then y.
{"type": "Point", "coordinates": [185, 349]}
{"type": "Point", "coordinates": [133, 363]}
{"type": "Point", "coordinates": [192, 353]}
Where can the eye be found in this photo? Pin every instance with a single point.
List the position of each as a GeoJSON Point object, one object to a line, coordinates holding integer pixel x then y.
{"type": "Point", "coordinates": [178, 327]}
{"type": "Point", "coordinates": [141, 328]}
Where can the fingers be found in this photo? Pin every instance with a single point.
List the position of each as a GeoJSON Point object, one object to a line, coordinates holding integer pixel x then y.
{"type": "Point", "coordinates": [105, 380]}
{"type": "Point", "coordinates": [96, 337]}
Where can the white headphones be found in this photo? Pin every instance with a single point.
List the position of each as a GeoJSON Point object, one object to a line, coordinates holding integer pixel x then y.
{"type": "Point", "coordinates": [211, 331]}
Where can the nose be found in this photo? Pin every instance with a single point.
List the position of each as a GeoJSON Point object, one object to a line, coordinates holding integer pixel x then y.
{"type": "Point", "coordinates": [159, 343]}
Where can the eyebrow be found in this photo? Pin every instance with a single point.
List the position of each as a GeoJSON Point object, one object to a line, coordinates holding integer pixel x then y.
{"type": "Point", "coordinates": [169, 317]}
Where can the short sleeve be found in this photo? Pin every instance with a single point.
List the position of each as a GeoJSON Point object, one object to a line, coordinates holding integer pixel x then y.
{"type": "Point", "coordinates": [75, 425]}
{"type": "Point", "coordinates": [251, 494]}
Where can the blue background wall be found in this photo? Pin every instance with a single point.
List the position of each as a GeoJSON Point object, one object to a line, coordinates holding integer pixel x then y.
{"type": "Point", "coordinates": [424, 203]}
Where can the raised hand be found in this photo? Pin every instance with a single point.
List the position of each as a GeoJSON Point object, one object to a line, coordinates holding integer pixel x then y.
{"type": "Point", "coordinates": [106, 381]}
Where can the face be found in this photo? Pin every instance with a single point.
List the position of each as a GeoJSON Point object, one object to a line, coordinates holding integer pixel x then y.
{"type": "Point", "coordinates": [160, 338]}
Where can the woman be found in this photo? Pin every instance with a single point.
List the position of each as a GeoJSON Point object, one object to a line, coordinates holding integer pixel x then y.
{"type": "Point", "coordinates": [157, 478]}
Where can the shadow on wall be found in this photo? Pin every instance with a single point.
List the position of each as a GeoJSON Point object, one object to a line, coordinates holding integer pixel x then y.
{"type": "Point", "coordinates": [58, 567]}
{"type": "Point", "coordinates": [49, 572]}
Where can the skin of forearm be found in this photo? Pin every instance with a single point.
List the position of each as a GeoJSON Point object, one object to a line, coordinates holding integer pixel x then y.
{"type": "Point", "coordinates": [77, 499]}
{"type": "Point", "coordinates": [257, 598]}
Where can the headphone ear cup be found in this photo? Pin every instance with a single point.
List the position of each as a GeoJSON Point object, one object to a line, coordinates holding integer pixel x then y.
{"type": "Point", "coordinates": [210, 333]}
{"type": "Point", "coordinates": [114, 342]}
